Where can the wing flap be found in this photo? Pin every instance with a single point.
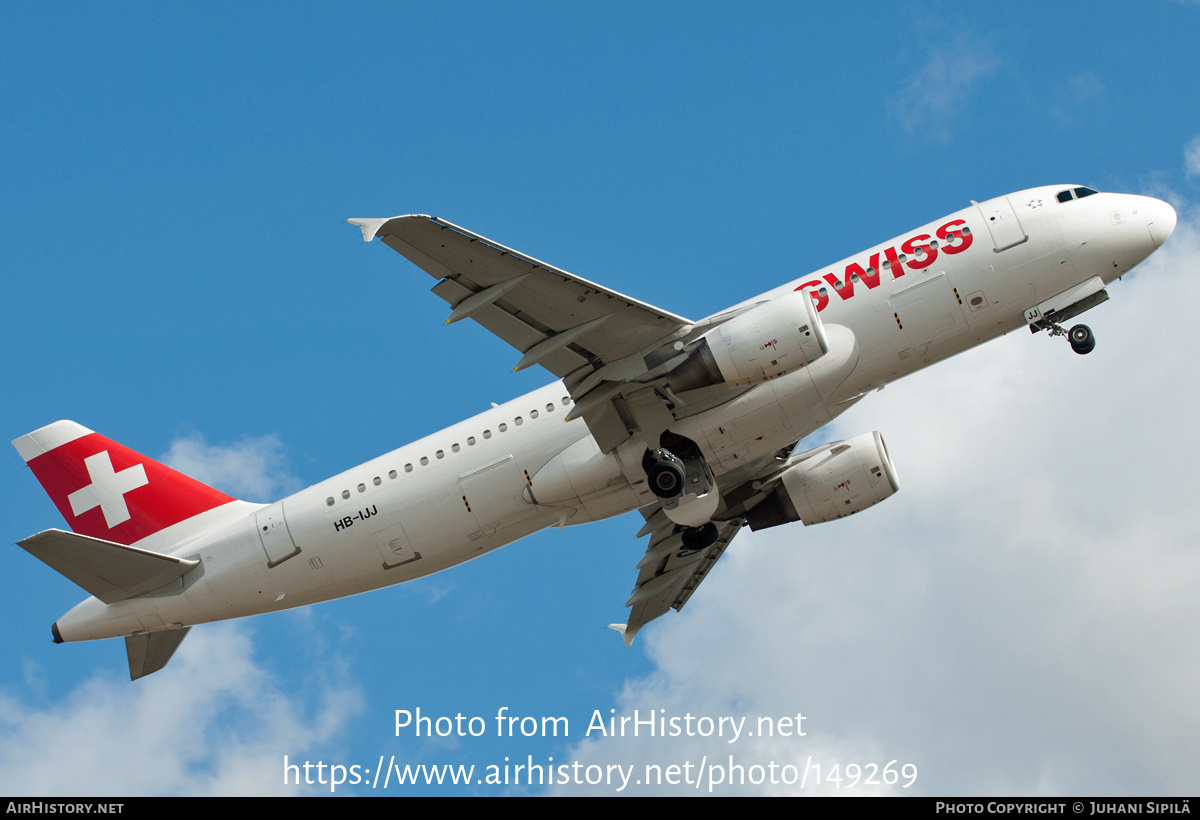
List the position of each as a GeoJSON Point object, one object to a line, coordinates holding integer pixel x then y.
{"type": "Point", "coordinates": [112, 572]}
{"type": "Point", "coordinates": [669, 572]}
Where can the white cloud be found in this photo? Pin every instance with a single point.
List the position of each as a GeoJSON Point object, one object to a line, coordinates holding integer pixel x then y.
{"type": "Point", "coordinates": [254, 468]}
{"type": "Point", "coordinates": [1019, 619]}
{"type": "Point", "coordinates": [1191, 157]}
{"type": "Point", "coordinates": [935, 95]}
{"type": "Point", "coordinates": [212, 723]}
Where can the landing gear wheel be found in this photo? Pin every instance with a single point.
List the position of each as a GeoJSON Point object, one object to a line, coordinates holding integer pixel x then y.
{"type": "Point", "coordinates": [697, 538]}
{"type": "Point", "coordinates": [1081, 338]}
{"type": "Point", "coordinates": [666, 478]}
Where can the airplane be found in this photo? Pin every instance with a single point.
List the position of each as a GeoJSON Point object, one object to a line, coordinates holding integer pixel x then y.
{"type": "Point", "coordinates": [695, 424]}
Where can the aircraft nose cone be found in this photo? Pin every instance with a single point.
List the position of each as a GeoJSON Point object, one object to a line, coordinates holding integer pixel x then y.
{"type": "Point", "coordinates": [1162, 218]}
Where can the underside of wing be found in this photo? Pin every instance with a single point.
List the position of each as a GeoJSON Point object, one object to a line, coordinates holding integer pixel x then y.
{"type": "Point", "coordinates": [670, 571]}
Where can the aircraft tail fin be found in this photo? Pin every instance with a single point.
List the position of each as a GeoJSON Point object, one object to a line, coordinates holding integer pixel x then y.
{"type": "Point", "coordinates": [149, 651]}
{"type": "Point", "coordinates": [112, 572]}
{"type": "Point", "coordinates": [107, 491]}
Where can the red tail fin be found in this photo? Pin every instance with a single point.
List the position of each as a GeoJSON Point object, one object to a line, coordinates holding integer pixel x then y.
{"type": "Point", "coordinates": [105, 490]}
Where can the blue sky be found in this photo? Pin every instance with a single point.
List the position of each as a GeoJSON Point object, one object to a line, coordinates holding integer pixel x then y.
{"type": "Point", "coordinates": [1018, 619]}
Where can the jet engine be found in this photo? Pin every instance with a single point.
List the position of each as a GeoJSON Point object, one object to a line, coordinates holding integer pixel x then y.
{"type": "Point", "coordinates": [833, 481]}
{"type": "Point", "coordinates": [766, 341]}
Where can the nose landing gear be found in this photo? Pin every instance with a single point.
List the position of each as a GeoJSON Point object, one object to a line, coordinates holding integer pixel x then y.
{"type": "Point", "coordinates": [1081, 338]}
{"type": "Point", "coordinates": [1050, 314]}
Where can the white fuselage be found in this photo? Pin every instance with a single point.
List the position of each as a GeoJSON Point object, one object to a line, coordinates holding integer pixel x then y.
{"type": "Point", "coordinates": [472, 487]}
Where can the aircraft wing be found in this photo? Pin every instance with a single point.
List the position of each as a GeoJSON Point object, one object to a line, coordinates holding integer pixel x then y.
{"type": "Point", "coordinates": [593, 338]}
{"type": "Point", "coordinates": [669, 572]}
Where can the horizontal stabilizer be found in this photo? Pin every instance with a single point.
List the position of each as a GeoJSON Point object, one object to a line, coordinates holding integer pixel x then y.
{"type": "Point", "coordinates": [109, 571]}
{"type": "Point", "coordinates": [150, 651]}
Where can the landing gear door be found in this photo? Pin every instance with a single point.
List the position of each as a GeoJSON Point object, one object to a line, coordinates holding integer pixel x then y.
{"type": "Point", "coordinates": [276, 538]}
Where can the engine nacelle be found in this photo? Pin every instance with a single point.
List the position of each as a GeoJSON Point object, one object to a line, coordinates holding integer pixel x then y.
{"type": "Point", "coordinates": [837, 480]}
{"type": "Point", "coordinates": [767, 341]}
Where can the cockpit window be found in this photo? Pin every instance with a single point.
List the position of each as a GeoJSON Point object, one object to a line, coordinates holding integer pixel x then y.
{"type": "Point", "coordinates": [1078, 193]}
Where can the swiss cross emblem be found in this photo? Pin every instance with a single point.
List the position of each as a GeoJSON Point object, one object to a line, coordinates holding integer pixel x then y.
{"type": "Point", "coordinates": [108, 488]}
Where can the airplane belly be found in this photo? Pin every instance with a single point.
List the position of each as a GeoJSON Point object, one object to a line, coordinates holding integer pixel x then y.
{"type": "Point", "coordinates": [583, 484]}
{"type": "Point", "coordinates": [401, 532]}
{"type": "Point", "coordinates": [491, 495]}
